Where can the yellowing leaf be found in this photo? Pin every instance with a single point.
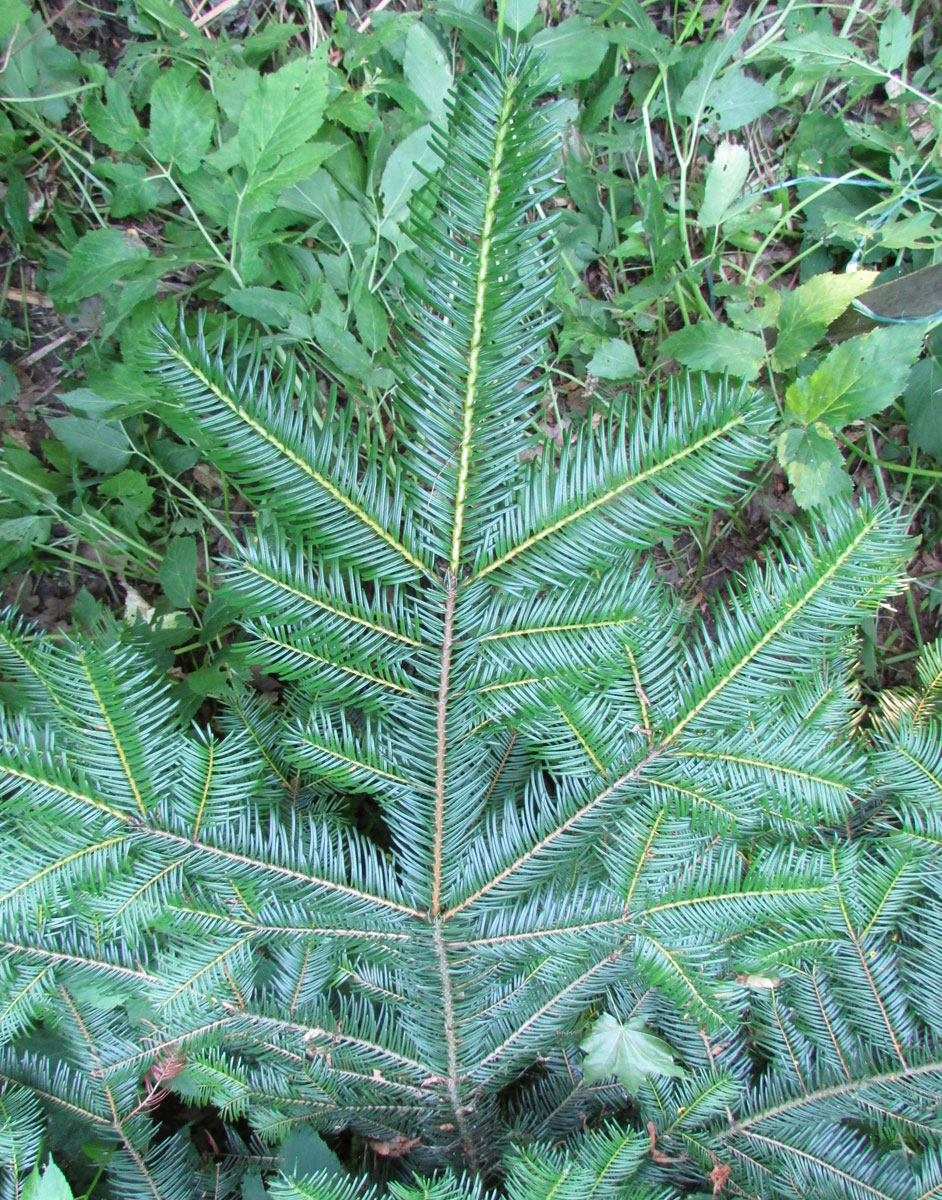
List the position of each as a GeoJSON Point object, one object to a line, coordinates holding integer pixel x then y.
{"type": "Point", "coordinates": [858, 378]}
{"type": "Point", "coordinates": [807, 311]}
{"type": "Point", "coordinates": [812, 460]}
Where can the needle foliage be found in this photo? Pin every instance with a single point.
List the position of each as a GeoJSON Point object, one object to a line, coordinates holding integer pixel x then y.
{"type": "Point", "coordinates": [514, 815]}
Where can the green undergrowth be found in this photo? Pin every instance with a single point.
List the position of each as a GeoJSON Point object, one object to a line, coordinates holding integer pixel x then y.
{"type": "Point", "coordinates": [734, 182]}
{"type": "Point", "coordinates": [747, 197]}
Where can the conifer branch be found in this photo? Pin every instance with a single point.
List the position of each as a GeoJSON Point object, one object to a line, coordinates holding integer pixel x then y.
{"type": "Point", "coordinates": [117, 1121]}
{"type": "Point", "coordinates": [441, 744]}
{"type": "Point", "coordinates": [513, 818]}
{"type": "Point", "coordinates": [485, 251]}
{"type": "Point", "coordinates": [450, 1030]}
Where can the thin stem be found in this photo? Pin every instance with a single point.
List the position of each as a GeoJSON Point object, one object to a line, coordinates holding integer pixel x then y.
{"type": "Point", "coordinates": [191, 496]}
{"type": "Point", "coordinates": [163, 173]}
{"type": "Point", "coordinates": [235, 234]}
{"type": "Point", "coordinates": [881, 483]}
{"type": "Point", "coordinates": [923, 472]}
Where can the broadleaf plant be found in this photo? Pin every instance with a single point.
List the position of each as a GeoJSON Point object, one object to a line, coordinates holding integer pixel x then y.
{"type": "Point", "coordinates": [508, 784]}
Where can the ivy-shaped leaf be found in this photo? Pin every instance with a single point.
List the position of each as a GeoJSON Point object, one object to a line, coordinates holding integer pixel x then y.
{"type": "Point", "coordinates": [627, 1052]}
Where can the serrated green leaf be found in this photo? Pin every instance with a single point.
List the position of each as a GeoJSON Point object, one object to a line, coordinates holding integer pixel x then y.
{"type": "Point", "coordinates": [88, 403]}
{"type": "Point", "coordinates": [283, 113]}
{"type": "Point", "coordinates": [212, 680]}
{"type": "Point", "coordinates": [214, 193]}
{"type": "Point", "coordinates": [710, 346]}
{"type": "Point", "coordinates": [177, 572]}
{"type": "Point", "coordinates": [812, 460]}
{"type": "Point", "coordinates": [807, 311]}
{"type": "Point", "coordinates": [24, 479]}
{"type": "Point", "coordinates": [263, 189]}
{"type": "Point", "coordinates": [105, 999]}
{"type": "Point", "coordinates": [626, 1052]}
{"type": "Point", "coordinates": [895, 38]}
{"type": "Point", "coordinates": [165, 16]}
{"type": "Point", "coordinates": [819, 54]}
{"type": "Point", "coordinates": [33, 530]}
{"type": "Point", "coordinates": [219, 612]}
{"type": "Point", "coordinates": [467, 16]}
{"type": "Point", "coordinates": [353, 110]}
{"type": "Point", "coordinates": [724, 182]}
{"type": "Point", "coordinates": [16, 207]}
{"type": "Point", "coordinates": [572, 50]}
{"type": "Point", "coordinates": [427, 70]}
{"type": "Point", "coordinates": [125, 385]}
{"type": "Point", "coordinates": [8, 136]}
{"type": "Point", "coordinates": [233, 87]}
{"type": "Point", "coordinates": [693, 101]}
{"type": "Point", "coordinates": [100, 258]}
{"type": "Point", "coordinates": [319, 196]}
{"type": "Point", "coordinates": [131, 489]}
{"type": "Point", "coordinates": [258, 47]}
{"type": "Point", "coordinates": [9, 384]}
{"type": "Point", "coordinates": [858, 378]}
{"type": "Point", "coordinates": [614, 359]}
{"type": "Point", "coordinates": [923, 400]}
{"type": "Point", "coordinates": [114, 123]}
{"type": "Point", "coordinates": [134, 191]}
{"type": "Point", "coordinates": [226, 157]}
{"type": "Point", "coordinates": [182, 118]}
{"type": "Point", "coordinates": [102, 446]}
{"type": "Point", "coordinates": [304, 1152]}
{"type": "Point", "coordinates": [915, 232]}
